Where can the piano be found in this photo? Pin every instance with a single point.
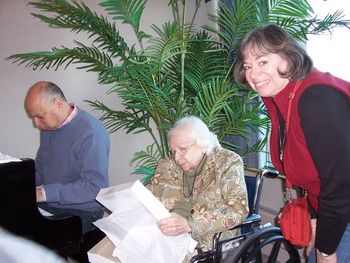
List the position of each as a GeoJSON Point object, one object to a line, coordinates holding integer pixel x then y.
{"type": "Point", "coordinates": [20, 214]}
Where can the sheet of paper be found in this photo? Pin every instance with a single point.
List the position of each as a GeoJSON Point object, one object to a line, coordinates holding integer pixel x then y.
{"type": "Point", "coordinates": [7, 158]}
{"type": "Point", "coordinates": [132, 226]}
{"type": "Point", "coordinates": [153, 205]}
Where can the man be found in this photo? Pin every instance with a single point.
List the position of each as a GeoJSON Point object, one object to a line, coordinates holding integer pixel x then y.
{"type": "Point", "coordinates": [72, 160]}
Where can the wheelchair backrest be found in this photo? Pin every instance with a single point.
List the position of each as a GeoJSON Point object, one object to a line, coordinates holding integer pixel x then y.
{"type": "Point", "coordinates": [254, 182]}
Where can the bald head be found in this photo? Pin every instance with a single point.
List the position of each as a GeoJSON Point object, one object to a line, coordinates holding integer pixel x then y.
{"type": "Point", "coordinates": [46, 90]}
{"type": "Point", "coordinates": [46, 104]}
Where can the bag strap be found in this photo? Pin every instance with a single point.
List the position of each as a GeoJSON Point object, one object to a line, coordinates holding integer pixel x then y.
{"type": "Point", "coordinates": [290, 100]}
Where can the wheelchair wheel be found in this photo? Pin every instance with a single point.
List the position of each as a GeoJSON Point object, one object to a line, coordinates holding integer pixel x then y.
{"type": "Point", "coordinates": [267, 238]}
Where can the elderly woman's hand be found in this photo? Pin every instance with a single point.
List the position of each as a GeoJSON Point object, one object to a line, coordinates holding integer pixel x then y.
{"type": "Point", "coordinates": [174, 225]}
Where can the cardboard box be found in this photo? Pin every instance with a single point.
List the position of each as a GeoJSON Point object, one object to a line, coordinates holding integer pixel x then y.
{"type": "Point", "coordinates": [102, 252]}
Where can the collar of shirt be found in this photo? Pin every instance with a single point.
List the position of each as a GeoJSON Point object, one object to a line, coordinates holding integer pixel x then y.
{"type": "Point", "coordinates": [70, 116]}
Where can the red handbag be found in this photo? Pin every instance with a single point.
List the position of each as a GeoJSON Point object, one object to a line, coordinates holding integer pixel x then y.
{"type": "Point", "coordinates": [295, 222]}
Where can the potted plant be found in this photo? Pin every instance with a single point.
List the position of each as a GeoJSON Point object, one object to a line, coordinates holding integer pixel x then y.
{"type": "Point", "coordinates": [179, 69]}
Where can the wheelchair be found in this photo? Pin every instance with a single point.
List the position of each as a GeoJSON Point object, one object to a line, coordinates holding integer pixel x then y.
{"type": "Point", "coordinates": [256, 243]}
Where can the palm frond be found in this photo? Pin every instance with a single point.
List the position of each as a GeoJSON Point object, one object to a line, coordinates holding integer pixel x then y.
{"type": "Point", "coordinates": [329, 22]}
{"type": "Point", "coordinates": [127, 11]}
{"type": "Point", "coordinates": [298, 18]}
{"type": "Point", "coordinates": [146, 161]}
{"type": "Point", "coordinates": [204, 62]}
{"type": "Point", "coordinates": [279, 9]}
{"type": "Point", "coordinates": [211, 100]}
{"type": "Point", "coordinates": [149, 157]}
{"type": "Point", "coordinates": [91, 58]}
{"type": "Point", "coordinates": [147, 173]}
{"type": "Point", "coordinates": [166, 46]}
{"type": "Point", "coordinates": [75, 15]}
{"type": "Point", "coordinates": [234, 21]}
{"type": "Point", "coordinates": [134, 122]}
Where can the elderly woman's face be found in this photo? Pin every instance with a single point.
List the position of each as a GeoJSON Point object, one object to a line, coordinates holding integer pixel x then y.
{"type": "Point", "coordinates": [262, 72]}
{"type": "Point", "coordinates": [186, 152]}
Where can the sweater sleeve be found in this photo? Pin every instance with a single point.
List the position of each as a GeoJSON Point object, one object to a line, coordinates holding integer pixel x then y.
{"type": "Point", "coordinates": [38, 168]}
{"type": "Point", "coordinates": [325, 119]}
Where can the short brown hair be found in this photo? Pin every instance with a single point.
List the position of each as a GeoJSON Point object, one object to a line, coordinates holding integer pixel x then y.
{"type": "Point", "coordinates": [273, 39]}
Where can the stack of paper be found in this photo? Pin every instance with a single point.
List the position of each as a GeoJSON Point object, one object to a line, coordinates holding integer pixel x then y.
{"type": "Point", "coordinates": [132, 226]}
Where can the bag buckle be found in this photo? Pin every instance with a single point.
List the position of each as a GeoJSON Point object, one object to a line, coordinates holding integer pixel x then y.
{"type": "Point", "coordinates": [288, 195]}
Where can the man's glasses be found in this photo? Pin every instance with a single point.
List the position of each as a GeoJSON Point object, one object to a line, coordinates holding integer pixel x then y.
{"type": "Point", "coordinates": [181, 151]}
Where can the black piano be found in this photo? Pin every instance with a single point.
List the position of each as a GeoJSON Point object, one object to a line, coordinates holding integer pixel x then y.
{"type": "Point", "coordinates": [20, 214]}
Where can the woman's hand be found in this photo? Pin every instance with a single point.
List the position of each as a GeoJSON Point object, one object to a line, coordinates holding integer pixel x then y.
{"type": "Point", "coordinates": [174, 225]}
{"type": "Point", "coordinates": [311, 244]}
{"type": "Point", "coordinates": [320, 258]}
{"type": "Point", "coordinates": [329, 259]}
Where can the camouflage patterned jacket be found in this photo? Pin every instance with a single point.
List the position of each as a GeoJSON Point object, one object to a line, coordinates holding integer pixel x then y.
{"type": "Point", "coordinates": [219, 194]}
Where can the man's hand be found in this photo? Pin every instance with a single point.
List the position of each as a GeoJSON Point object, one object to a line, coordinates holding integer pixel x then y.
{"type": "Point", "coordinates": [39, 194]}
{"type": "Point", "coordinates": [174, 225]}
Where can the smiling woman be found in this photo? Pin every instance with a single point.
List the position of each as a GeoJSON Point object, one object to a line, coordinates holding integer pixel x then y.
{"type": "Point", "coordinates": [263, 73]}
{"type": "Point", "coordinates": [309, 140]}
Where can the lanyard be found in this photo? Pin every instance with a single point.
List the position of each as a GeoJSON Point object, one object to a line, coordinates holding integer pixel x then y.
{"type": "Point", "coordinates": [283, 141]}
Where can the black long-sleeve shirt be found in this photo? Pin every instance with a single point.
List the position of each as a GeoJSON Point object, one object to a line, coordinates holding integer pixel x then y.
{"type": "Point", "coordinates": [325, 119]}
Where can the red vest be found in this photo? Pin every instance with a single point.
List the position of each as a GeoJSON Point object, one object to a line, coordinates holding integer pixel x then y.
{"type": "Point", "coordinates": [298, 165]}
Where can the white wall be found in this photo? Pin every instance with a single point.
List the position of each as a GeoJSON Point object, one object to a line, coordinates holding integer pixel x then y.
{"type": "Point", "coordinates": [330, 51]}
{"type": "Point", "coordinates": [20, 32]}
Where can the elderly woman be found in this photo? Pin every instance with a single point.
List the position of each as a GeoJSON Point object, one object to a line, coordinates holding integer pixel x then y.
{"type": "Point", "coordinates": [201, 183]}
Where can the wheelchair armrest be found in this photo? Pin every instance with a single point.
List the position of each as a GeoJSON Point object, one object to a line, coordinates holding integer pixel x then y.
{"type": "Point", "coordinates": [61, 216]}
{"type": "Point", "coordinates": [202, 257]}
{"type": "Point", "coordinates": [270, 172]}
{"type": "Point", "coordinates": [251, 220]}
{"type": "Point", "coordinates": [254, 218]}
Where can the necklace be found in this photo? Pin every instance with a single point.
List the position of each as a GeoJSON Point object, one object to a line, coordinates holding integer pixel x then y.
{"type": "Point", "coordinates": [190, 189]}
{"type": "Point", "coordinates": [281, 134]}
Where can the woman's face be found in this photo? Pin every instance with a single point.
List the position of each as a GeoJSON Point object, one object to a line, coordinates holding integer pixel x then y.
{"type": "Point", "coordinates": [262, 72]}
{"type": "Point", "coordinates": [185, 151]}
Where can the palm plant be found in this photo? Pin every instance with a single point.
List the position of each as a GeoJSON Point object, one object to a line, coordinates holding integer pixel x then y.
{"type": "Point", "coordinates": [179, 70]}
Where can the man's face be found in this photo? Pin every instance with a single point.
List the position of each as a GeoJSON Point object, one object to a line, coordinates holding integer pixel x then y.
{"type": "Point", "coordinates": [44, 112]}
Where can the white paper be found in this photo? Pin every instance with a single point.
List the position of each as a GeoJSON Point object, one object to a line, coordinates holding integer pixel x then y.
{"type": "Point", "coordinates": [95, 258]}
{"type": "Point", "coordinates": [44, 212]}
{"type": "Point", "coordinates": [132, 226]}
{"type": "Point", "coordinates": [7, 158]}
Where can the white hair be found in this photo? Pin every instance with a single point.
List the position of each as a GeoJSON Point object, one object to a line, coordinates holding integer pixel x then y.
{"type": "Point", "coordinates": [199, 132]}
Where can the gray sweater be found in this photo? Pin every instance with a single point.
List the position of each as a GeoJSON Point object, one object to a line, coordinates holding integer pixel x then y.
{"type": "Point", "coordinates": [72, 163]}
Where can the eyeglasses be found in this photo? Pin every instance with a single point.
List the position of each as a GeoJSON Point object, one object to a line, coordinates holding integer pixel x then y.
{"type": "Point", "coordinates": [181, 150]}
